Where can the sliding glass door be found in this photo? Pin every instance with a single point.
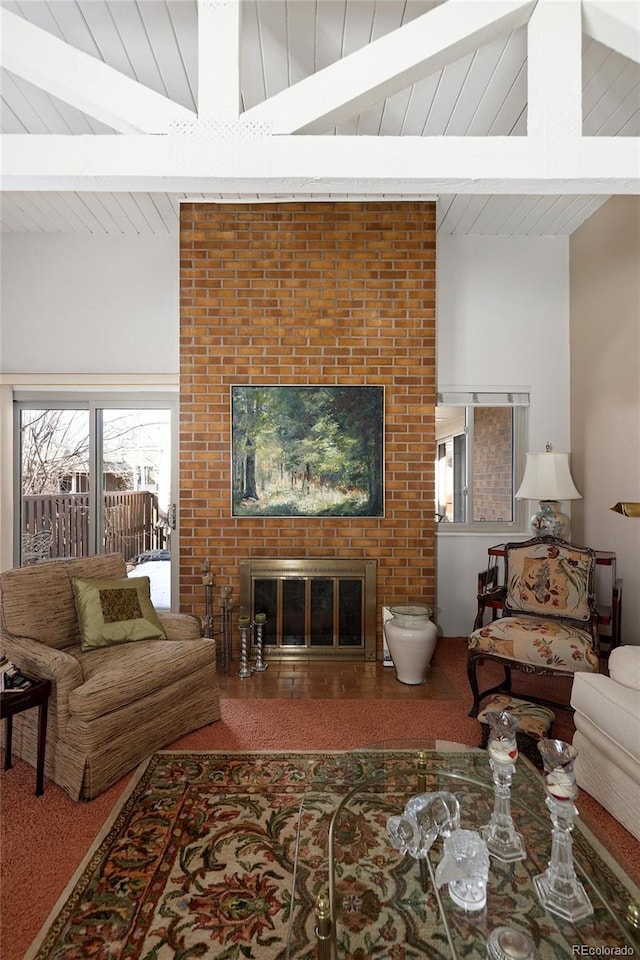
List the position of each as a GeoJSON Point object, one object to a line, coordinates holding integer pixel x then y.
{"type": "Point", "coordinates": [97, 477]}
{"type": "Point", "coordinates": [54, 518]}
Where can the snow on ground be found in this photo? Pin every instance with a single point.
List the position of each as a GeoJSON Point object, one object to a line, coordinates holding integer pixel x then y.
{"type": "Point", "coordinates": [159, 573]}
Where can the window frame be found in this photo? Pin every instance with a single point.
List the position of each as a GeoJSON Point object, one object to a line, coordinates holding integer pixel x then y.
{"type": "Point", "coordinates": [467, 400]}
{"type": "Point", "coordinates": [95, 402]}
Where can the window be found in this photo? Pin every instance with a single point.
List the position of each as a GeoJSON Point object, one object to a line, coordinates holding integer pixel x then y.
{"type": "Point", "coordinates": [480, 453]}
{"type": "Point", "coordinates": [95, 475]}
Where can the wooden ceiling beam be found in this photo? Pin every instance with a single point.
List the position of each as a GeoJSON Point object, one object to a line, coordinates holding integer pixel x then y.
{"type": "Point", "coordinates": [398, 165]}
{"type": "Point", "coordinates": [554, 72]}
{"type": "Point", "coordinates": [616, 23]}
{"type": "Point", "coordinates": [389, 64]}
{"type": "Point", "coordinates": [218, 59]}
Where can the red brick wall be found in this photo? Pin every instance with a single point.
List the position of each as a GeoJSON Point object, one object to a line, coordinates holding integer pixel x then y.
{"type": "Point", "coordinates": [492, 463]}
{"type": "Point", "coordinates": [302, 294]}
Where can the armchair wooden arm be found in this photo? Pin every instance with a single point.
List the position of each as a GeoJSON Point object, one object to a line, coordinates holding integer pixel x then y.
{"type": "Point", "coordinates": [490, 595]}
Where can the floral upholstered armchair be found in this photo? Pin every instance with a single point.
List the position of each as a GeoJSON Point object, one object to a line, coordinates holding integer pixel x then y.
{"type": "Point", "coordinates": [549, 622]}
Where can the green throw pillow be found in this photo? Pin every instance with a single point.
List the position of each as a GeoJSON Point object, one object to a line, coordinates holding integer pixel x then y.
{"type": "Point", "coordinates": [115, 611]}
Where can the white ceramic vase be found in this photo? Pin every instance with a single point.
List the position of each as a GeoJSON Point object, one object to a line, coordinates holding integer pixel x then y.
{"type": "Point", "coordinates": [411, 638]}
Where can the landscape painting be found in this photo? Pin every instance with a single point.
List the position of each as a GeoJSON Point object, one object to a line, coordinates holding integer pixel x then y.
{"type": "Point", "coordinates": [307, 451]}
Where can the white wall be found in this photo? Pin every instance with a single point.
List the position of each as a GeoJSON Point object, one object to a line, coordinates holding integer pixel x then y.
{"type": "Point", "coordinates": [503, 321]}
{"type": "Point", "coordinates": [605, 389]}
{"type": "Point", "coordinates": [73, 304]}
{"type": "Point", "coordinates": [82, 313]}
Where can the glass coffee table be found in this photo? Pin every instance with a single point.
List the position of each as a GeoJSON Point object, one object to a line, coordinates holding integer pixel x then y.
{"type": "Point", "coordinates": [355, 895]}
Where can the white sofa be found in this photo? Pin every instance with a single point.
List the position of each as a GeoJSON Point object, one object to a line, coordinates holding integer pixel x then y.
{"type": "Point", "coordinates": [607, 737]}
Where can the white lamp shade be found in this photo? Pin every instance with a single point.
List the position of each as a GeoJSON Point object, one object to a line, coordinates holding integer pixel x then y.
{"type": "Point", "coordinates": [547, 477]}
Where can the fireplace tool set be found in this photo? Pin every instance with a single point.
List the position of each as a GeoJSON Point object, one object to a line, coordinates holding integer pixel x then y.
{"type": "Point", "coordinates": [216, 624]}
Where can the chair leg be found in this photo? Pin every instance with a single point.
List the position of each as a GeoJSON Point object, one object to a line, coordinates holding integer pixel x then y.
{"type": "Point", "coordinates": [503, 687]}
{"type": "Point", "coordinates": [472, 665]}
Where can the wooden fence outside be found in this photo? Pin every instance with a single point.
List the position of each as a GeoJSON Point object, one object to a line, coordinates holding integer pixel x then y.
{"type": "Point", "coordinates": [132, 523]}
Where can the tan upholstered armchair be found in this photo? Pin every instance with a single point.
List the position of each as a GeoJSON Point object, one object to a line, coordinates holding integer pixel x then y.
{"type": "Point", "coordinates": [110, 707]}
{"type": "Point", "coordinates": [549, 623]}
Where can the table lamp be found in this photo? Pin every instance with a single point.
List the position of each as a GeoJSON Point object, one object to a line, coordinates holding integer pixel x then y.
{"type": "Point", "coordinates": [547, 478]}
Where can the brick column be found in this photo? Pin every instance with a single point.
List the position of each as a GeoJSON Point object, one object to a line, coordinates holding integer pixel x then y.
{"type": "Point", "coordinates": [304, 294]}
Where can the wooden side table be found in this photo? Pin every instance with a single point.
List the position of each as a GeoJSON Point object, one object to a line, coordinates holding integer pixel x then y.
{"type": "Point", "coordinates": [12, 702]}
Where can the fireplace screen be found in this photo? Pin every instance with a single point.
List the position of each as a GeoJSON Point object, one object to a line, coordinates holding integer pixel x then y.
{"type": "Point", "coordinates": [314, 608]}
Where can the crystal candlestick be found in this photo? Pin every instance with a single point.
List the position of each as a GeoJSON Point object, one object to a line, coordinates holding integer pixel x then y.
{"type": "Point", "coordinates": [502, 839]}
{"type": "Point", "coordinates": [558, 888]}
{"type": "Point", "coordinates": [259, 621]}
{"type": "Point", "coordinates": [465, 867]}
{"type": "Point", "coordinates": [244, 623]}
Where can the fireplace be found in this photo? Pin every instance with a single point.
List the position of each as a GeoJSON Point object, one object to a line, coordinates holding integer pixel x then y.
{"type": "Point", "coordinates": [316, 609]}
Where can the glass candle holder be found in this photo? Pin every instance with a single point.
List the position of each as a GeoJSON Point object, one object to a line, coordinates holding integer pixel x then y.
{"type": "Point", "coordinates": [558, 888]}
{"type": "Point", "coordinates": [502, 839]}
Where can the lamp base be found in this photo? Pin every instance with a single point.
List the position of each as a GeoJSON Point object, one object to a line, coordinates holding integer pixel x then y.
{"type": "Point", "coordinates": [550, 521]}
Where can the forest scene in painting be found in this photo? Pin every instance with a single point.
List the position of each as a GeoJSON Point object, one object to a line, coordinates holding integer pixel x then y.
{"type": "Point", "coordinates": [307, 451]}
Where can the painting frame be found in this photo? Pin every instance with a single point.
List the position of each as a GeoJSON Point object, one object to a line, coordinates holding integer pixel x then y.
{"type": "Point", "coordinates": [308, 450]}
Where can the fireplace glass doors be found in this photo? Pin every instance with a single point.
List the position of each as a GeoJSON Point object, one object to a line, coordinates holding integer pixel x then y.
{"type": "Point", "coordinates": [323, 609]}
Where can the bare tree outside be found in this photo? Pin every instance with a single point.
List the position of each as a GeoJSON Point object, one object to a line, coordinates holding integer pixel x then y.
{"type": "Point", "coordinates": [55, 448]}
{"type": "Point", "coordinates": [55, 445]}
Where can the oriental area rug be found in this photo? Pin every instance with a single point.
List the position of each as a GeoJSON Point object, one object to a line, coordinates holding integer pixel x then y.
{"type": "Point", "coordinates": [223, 856]}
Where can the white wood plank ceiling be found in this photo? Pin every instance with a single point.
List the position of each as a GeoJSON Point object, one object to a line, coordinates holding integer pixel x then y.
{"type": "Point", "coordinates": [484, 93]}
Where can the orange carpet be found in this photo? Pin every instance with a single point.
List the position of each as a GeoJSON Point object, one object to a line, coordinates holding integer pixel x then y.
{"type": "Point", "coordinates": [45, 838]}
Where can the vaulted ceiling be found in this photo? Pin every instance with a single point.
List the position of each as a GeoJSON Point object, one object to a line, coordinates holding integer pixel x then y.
{"type": "Point", "coordinates": [519, 116]}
